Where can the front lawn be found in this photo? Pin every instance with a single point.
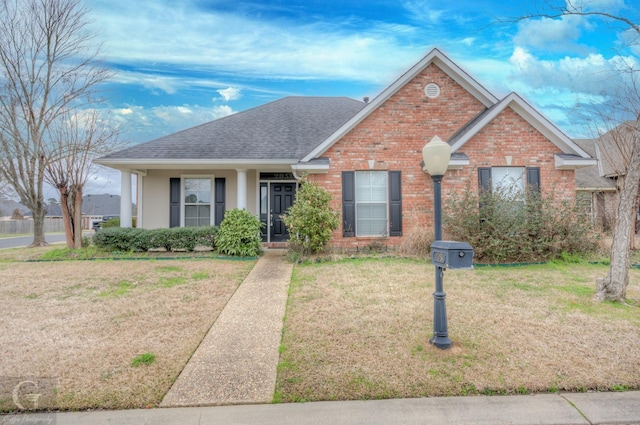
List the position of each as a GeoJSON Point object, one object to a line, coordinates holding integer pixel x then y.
{"type": "Point", "coordinates": [106, 333]}
{"type": "Point", "coordinates": [359, 329]}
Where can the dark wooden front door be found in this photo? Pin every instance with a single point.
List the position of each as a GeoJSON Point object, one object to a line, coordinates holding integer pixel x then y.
{"type": "Point", "coordinates": [282, 197]}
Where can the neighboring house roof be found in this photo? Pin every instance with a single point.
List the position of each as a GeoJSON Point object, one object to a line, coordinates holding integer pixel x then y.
{"type": "Point", "coordinates": [613, 149]}
{"type": "Point", "coordinates": [277, 132]}
{"type": "Point", "coordinates": [7, 207]}
{"type": "Point", "coordinates": [589, 178]}
{"type": "Point", "coordinates": [101, 204]}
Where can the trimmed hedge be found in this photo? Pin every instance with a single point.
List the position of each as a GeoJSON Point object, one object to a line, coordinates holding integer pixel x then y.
{"type": "Point", "coordinates": [173, 239]}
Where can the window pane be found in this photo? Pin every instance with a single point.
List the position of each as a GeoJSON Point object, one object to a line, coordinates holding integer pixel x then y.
{"type": "Point", "coordinates": [197, 191]}
{"type": "Point", "coordinates": [197, 215]}
{"type": "Point", "coordinates": [508, 179]}
{"type": "Point", "coordinates": [371, 220]}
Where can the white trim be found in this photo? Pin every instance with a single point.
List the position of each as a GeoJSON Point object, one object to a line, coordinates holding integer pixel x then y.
{"type": "Point", "coordinates": [573, 164]}
{"type": "Point", "coordinates": [310, 168]}
{"type": "Point", "coordinates": [435, 57]}
{"type": "Point", "coordinates": [212, 213]}
{"type": "Point", "coordinates": [125, 198]}
{"type": "Point", "coordinates": [533, 117]}
{"type": "Point", "coordinates": [140, 189]}
{"type": "Point", "coordinates": [387, 202]}
{"type": "Point", "coordinates": [227, 164]}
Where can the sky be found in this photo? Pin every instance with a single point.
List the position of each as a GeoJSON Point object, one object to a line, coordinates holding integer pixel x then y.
{"type": "Point", "coordinates": [180, 63]}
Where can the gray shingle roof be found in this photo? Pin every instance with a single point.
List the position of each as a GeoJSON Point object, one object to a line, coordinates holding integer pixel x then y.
{"type": "Point", "coordinates": [284, 129]}
{"type": "Point", "coordinates": [589, 178]}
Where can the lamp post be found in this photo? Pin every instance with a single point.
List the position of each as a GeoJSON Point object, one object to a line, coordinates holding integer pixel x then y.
{"type": "Point", "coordinates": [436, 155]}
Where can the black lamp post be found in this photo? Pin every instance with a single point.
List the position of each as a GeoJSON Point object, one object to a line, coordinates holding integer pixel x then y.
{"type": "Point", "coordinates": [436, 155]}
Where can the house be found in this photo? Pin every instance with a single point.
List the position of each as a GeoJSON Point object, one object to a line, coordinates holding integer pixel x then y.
{"type": "Point", "coordinates": [596, 194]}
{"type": "Point", "coordinates": [367, 154]}
{"type": "Point", "coordinates": [599, 184]}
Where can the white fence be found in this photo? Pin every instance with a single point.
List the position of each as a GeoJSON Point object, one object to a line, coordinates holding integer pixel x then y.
{"type": "Point", "coordinates": [13, 227]}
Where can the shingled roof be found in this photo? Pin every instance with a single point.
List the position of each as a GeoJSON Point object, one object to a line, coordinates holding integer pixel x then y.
{"type": "Point", "coordinates": [284, 129]}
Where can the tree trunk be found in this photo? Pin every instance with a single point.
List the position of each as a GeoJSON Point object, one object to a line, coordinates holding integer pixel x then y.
{"type": "Point", "coordinates": [66, 216]}
{"type": "Point", "coordinates": [614, 286]}
{"type": "Point", "coordinates": [77, 218]}
{"type": "Point", "coordinates": [38, 227]}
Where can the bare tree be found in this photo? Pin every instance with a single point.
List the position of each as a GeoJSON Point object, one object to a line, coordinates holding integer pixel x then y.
{"type": "Point", "coordinates": [48, 67]}
{"type": "Point", "coordinates": [622, 122]}
{"type": "Point", "coordinates": [75, 142]}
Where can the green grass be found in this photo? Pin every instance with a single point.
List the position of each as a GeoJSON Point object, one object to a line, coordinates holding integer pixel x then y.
{"type": "Point", "coordinates": [121, 289]}
{"type": "Point", "coordinates": [359, 328]}
{"type": "Point", "coordinates": [143, 359]}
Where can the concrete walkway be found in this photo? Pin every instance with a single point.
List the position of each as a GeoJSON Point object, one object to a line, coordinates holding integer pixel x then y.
{"type": "Point", "coordinates": [542, 409]}
{"type": "Point", "coordinates": [237, 360]}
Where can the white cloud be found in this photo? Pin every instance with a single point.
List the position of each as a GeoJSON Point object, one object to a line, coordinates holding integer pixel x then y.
{"type": "Point", "coordinates": [230, 93]}
{"type": "Point", "coordinates": [151, 123]}
{"type": "Point", "coordinates": [205, 40]}
{"type": "Point", "coordinates": [560, 34]}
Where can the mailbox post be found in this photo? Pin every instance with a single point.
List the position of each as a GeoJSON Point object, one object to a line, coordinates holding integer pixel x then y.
{"type": "Point", "coordinates": [452, 255]}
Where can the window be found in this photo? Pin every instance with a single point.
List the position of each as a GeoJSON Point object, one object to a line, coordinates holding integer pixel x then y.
{"type": "Point", "coordinates": [197, 202]}
{"type": "Point", "coordinates": [371, 203]}
{"type": "Point", "coordinates": [510, 180]}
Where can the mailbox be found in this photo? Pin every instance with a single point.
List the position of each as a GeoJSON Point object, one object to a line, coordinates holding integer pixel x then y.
{"type": "Point", "coordinates": [452, 255]}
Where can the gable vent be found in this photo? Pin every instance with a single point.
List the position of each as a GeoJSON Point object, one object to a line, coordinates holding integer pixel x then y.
{"type": "Point", "coordinates": [432, 90]}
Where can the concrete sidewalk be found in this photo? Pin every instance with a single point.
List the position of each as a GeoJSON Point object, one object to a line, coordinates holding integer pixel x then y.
{"type": "Point", "coordinates": [236, 362]}
{"type": "Point", "coordinates": [542, 409]}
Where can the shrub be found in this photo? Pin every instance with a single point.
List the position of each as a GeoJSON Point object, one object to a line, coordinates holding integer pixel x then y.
{"type": "Point", "coordinates": [310, 220]}
{"type": "Point", "coordinates": [417, 242]}
{"type": "Point", "coordinates": [239, 234]}
{"type": "Point", "coordinates": [174, 239]}
{"type": "Point", "coordinates": [503, 226]}
{"type": "Point", "coordinates": [122, 239]}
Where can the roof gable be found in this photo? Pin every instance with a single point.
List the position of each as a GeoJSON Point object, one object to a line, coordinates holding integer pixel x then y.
{"type": "Point", "coordinates": [435, 57]}
{"type": "Point", "coordinates": [529, 114]}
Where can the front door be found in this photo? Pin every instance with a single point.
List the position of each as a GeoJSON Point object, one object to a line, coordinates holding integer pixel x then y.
{"type": "Point", "coordinates": [282, 197]}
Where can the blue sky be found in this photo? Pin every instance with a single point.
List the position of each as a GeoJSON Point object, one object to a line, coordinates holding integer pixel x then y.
{"type": "Point", "coordinates": [180, 63]}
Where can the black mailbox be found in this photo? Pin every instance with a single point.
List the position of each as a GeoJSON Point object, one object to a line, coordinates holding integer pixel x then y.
{"type": "Point", "coordinates": [452, 255]}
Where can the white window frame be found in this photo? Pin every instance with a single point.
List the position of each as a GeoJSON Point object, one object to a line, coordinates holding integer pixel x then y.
{"type": "Point", "coordinates": [359, 203]}
{"type": "Point", "coordinates": [212, 198]}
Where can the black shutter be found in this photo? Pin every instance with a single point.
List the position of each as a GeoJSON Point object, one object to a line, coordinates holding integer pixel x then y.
{"type": "Point", "coordinates": [533, 178]}
{"type": "Point", "coordinates": [220, 200]}
{"type": "Point", "coordinates": [484, 178]}
{"type": "Point", "coordinates": [348, 204]}
{"type": "Point", "coordinates": [174, 202]}
{"type": "Point", "coordinates": [395, 203]}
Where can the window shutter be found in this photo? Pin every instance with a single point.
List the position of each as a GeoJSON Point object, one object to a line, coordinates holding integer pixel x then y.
{"type": "Point", "coordinates": [395, 203]}
{"type": "Point", "coordinates": [533, 178]}
{"type": "Point", "coordinates": [220, 199]}
{"type": "Point", "coordinates": [348, 204]}
{"type": "Point", "coordinates": [484, 178]}
{"type": "Point", "coordinates": [174, 202]}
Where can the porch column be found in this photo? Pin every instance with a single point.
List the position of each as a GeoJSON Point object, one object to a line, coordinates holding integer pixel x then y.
{"type": "Point", "coordinates": [125, 198]}
{"type": "Point", "coordinates": [242, 189]}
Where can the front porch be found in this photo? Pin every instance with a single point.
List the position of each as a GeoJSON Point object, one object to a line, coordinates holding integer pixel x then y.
{"type": "Point", "coordinates": [199, 197]}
